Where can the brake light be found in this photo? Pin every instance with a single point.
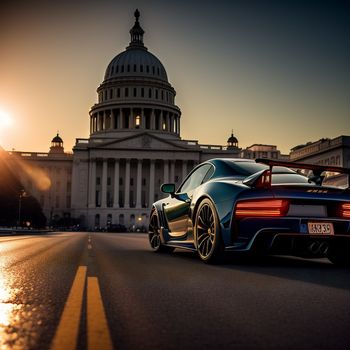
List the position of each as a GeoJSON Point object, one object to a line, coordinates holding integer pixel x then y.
{"type": "Point", "coordinates": [267, 207]}
{"type": "Point", "coordinates": [345, 210]}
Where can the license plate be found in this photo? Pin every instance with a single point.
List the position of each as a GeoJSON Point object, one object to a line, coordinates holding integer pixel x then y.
{"type": "Point", "coordinates": [320, 228]}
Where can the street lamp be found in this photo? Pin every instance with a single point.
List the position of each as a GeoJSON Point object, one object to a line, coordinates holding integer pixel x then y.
{"type": "Point", "coordinates": [22, 194]}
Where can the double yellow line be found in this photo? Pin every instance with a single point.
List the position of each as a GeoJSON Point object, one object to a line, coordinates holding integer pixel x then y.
{"type": "Point", "coordinates": [98, 335]}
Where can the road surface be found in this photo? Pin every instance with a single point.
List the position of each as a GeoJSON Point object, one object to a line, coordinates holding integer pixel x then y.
{"type": "Point", "coordinates": [108, 290]}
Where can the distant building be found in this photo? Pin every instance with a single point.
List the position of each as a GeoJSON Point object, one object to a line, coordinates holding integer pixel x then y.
{"type": "Point", "coordinates": [324, 151]}
{"type": "Point", "coordinates": [263, 151]}
{"type": "Point", "coordinates": [47, 177]}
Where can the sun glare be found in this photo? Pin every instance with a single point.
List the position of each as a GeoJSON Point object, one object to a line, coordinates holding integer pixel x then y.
{"type": "Point", "coordinates": [5, 120]}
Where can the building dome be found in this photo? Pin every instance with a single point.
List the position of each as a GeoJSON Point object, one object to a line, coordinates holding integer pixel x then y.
{"type": "Point", "coordinates": [232, 142]}
{"type": "Point", "coordinates": [57, 145]}
{"type": "Point", "coordinates": [135, 94]}
{"type": "Point", "coordinates": [136, 62]}
{"type": "Point", "coordinates": [57, 139]}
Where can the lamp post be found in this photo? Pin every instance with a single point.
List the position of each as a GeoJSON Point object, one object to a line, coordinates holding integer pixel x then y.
{"type": "Point", "coordinates": [22, 194]}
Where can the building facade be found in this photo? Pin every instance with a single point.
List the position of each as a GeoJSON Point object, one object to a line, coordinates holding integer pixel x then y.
{"type": "Point", "coordinates": [134, 144]}
{"type": "Point", "coordinates": [324, 152]}
{"type": "Point", "coordinates": [263, 151]}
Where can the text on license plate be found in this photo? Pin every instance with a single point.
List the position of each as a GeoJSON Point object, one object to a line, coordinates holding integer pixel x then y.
{"type": "Point", "coordinates": [320, 228]}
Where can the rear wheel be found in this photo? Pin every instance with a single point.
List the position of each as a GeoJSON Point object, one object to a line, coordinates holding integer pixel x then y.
{"type": "Point", "coordinates": [207, 229]}
{"type": "Point", "coordinates": [154, 235]}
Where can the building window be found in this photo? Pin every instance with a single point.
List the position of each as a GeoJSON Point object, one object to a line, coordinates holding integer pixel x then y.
{"type": "Point", "coordinates": [149, 93]}
{"type": "Point", "coordinates": [97, 220]}
{"type": "Point", "coordinates": [109, 181]}
{"type": "Point", "coordinates": [117, 69]}
{"type": "Point", "coordinates": [144, 181]}
{"type": "Point", "coordinates": [156, 93]}
{"type": "Point", "coordinates": [137, 121]}
{"type": "Point", "coordinates": [142, 92]}
{"type": "Point", "coordinates": [98, 180]}
{"type": "Point", "coordinates": [158, 70]}
{"type": "Point", "coordinates": [120, 181]}
{"type": "Point", "coordinates": [128, 68]}
{"type": "Point", "coordinates": [68, 200]}
{"type": "Point", "coordinates": [131, 181]}
{"type": "Point", "coordinates": [105, 94]}
{"type": "Point", "coordinates": [162, 95]}
{"type": "Point", "coordinates": [135, 92]}
{"type": "Point", "coordinates": [122, 69]}
{"type": "Point", "coordinates": [126, 92]}
{"type": "Point", "coordinates": [121, 199]}
{"type": "Point", "coordinates": [109, 219]}
{"type": "Point", "coordinates": [153, 70]}
{"type": "Point", "coordinates": [135, 68]}
{"type": "Point", "coordinates": [147, 69]}
{"type": "Point", "coordinates": [141, 68]}
{"type": "Point", "coordinates": [97, 199]}
{"type": "Point", "coordinates": [118, 92]}
{"type": "Point", "coordinates": [111, 93]}
{"type": "Point", "coordinates": [109, 199]}
{"type": "Point", "coordinates": [69, 186]}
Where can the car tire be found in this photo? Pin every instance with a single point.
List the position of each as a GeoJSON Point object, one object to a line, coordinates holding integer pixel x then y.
{"type": "Point", "coordinates": [154, 235]}
{"type": "Point", "coordinates": [208, 240]}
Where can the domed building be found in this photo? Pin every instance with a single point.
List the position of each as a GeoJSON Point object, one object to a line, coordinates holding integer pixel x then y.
{"type": "Point", "coordinates": [135, 142]}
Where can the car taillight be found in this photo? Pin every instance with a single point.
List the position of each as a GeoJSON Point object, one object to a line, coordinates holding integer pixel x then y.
{"type": "Point", "coordinates": [266, 207]}
{"type": "Point", "coordinates": [345, 210]}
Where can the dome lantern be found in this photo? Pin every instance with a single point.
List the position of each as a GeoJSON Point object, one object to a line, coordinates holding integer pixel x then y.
{"type": "Point", "coordinates": [57, 145]}
{"type": "Point", "coordinates": [232, 142]}
{"type": "Point", "coordinates": [136, 32]}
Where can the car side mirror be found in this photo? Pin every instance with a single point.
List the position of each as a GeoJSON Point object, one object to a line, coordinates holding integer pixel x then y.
{"type": "Point", "coordinates": [168, 188]}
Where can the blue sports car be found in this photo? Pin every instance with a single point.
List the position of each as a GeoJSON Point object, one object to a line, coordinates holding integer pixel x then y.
{"type": "Point", "coordinates": [262, 206]}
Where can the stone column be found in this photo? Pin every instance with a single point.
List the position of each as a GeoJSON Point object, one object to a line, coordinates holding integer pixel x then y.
{"type": "Point", "coordinates": [143, 119]}
{"type": "Point", "coordinates": [92, 183]}
{"type": "Point", "coordinates": [104, 184]}
{"type": "Point", "coordinates": [121, 119]}
{"type": "Point", "coordinates": [166, 171]}
{"type": "Point", "coordinates": [112, 124]}
{"type": "Point", "coordinates": [116, 184]}
{"type": "Point", "coordinates": [172, 171]}
{"type": "Point", "coordinates": [127, 184]}
{"type": "Point", "coordinates": [104, 120]}
{"type": "Point", "coordinates": [153, 120]}
{"type": "Point", "coordinates": [171, 123]}
{"type": "Point", "coordinates": [131, 119]}
{"type": "Point", "coordinates": [139, 183]}
{"type": "Point", "coordinates": [151, 183]}
{"type": "Point", "coordinates": [184, 169]}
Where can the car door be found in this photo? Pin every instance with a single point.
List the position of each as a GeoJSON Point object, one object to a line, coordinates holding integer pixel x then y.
{"type": "Point", "coordinates": [177, 209]}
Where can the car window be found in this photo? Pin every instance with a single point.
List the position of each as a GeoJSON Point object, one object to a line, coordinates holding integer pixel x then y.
{"type": "Point", "coordinates": [209, 174]}
{"type": "Point", "coordinates": [195, 179]}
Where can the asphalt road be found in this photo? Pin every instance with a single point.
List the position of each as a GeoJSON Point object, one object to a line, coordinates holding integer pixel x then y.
{"type": "Point", "coordinates": [101, 290]}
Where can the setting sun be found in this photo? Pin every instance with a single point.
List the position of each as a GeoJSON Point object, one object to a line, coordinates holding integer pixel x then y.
{"type": "Point", "coordinates": [5, 120]}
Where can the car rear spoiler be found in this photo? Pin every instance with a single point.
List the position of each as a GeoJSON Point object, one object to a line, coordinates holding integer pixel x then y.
{"type": "Point", "coordinates": [262, 179]}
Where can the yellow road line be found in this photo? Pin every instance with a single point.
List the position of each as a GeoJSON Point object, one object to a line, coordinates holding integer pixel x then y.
{"type": "Point", "coordinates": [97, 328]}
{"type": "Point", "coordinates": [67, 332]}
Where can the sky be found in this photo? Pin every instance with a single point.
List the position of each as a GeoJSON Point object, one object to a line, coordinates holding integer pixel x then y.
{"type": "Point", "coordinates": [274, 72]}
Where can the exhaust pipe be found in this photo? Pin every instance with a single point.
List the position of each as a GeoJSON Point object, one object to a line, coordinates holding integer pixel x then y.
{"type": "Point", "coordinates": [323, 248]}
{"type": "Point", "coordinates": [314, 247]}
